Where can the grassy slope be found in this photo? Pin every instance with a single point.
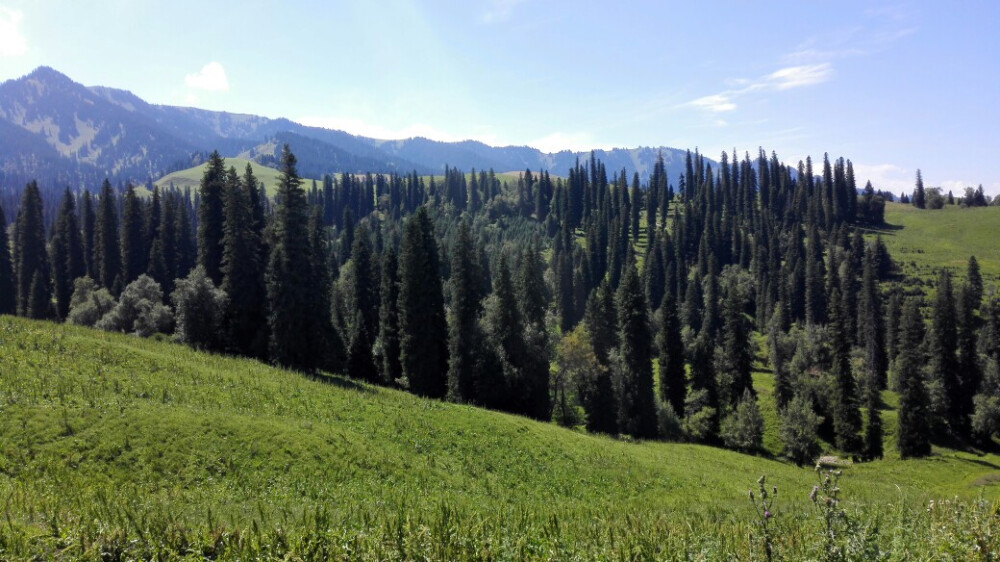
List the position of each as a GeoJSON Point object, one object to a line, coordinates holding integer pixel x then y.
{"type": "Point", "coordinates": [106, 439]}
{"type": "Point", "coordinates": [923, 240]}
{"type": "Point", "coordinates": [191, 177]}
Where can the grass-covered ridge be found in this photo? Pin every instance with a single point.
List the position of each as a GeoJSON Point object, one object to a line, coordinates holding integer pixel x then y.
{"type": "Point", "coordinates": [923, 240]}
{"type": "Point", "coordinates": [116, 444]}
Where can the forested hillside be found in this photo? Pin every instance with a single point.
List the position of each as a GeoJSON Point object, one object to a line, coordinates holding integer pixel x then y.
{"type": "Point", "coordinates": [595, 301]}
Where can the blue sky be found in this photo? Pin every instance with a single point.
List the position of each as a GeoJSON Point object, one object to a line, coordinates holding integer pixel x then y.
{"type": "Point", "coordinates": [892, 86]}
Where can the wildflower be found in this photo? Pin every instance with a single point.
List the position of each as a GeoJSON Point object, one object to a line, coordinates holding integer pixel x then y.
{"type": "Point", "coordinates": [767, 514]}
{"type": "Point", "coordinates": [812, 494]}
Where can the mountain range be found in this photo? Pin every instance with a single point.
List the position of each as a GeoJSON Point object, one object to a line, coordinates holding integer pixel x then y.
{"type": "Point", "coordinates": [61, 132]}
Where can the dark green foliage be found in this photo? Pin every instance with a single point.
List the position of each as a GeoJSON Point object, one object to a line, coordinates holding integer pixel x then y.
{"type": "Point", "coordinates": [201, 311]}
{"type": "Point", "coordinates": [919, 194]}
{"type": "Point", "coordinates": [600, 319]}
{"type": "Point", "coordinates": [107, 251]}
{"type": "Point", "coordinates": [364, 298]}
{"type": "Point", "coordinates": [967, 363]}
{"type": "Point", "coordinates": [422, 323]}
{"type": "Point", "coordinates": [942, 346]}
{"type": "Point", "coordinates": [31, 261]}
{"type": "Point", "coordinates": [974, 280]}
{"type": "Point", "coordinates": [736, 359]}
{"type": "Point", "coordinates": [913, 434]}
{"type": "Point", "coordinates": [846, 415]}
{"type": "Point", "coordinates": [88, 224]}
{"type": "Point", "coordinates": [211, 217]}
{"type": "Point", "coordinates": [873, 424]}
{"type": "Point", "coordinates": [133, 245]}
{"type": "Point", "coordinates": [243, 264]}
{"type": "Point", "coordinates": [296, 320]}
{"type": "Point", "coordinates": [531, 291]}
{"type": "Point", "coordinates": [66, 254]}
{"type": "Point", "coordinates": [388, 340]}
{"type": "Point", "coordinates": [464, 339]}
{"type": "Point", "coordinates": [673, 379]}
{"type": "Point", "coordinates": [634, 380]}
{"type": "Point", "coordinates": [7, 293]}
{"type": "Point", "coordinates": [780, 357]}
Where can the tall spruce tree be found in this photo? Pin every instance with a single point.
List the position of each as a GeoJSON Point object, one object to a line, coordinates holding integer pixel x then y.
{"type": "Point", "coordinates": [391, 369]}
{"type": "Point", "coordinates": [66, 254]}
{"type": "Point", "coordinates": [294, 341]}
{"type": "Point", "coordinates": [245, 319]}
{"type": "Point", "coordinates": [463, 329]}
{"type": "Point", "coordinates": [8, 303]}
{"type": "Point", "coordinates": [919, 195]}
{"type": "Point", "coordinates": [107, 251]}
{"type": "Point", "coordinates": [211, 216]}
{"type": "Point", "coordinates": [943, 344]}
{"type": "Point", "coordinates": [846, 415]}
{"type": "Point", "coordinates": [133, 244]}
{"type": "Point", "coordinates": [967, 364]}
{"type": "Point", "coordinates": [364, 295]}
{"type": "Point", "coordinates": [422, 323]}
{"type": "Point", "coordinates": [634, 384]}
{"type": "Point", "coordinates": [87, 225]}
{"type": "Point", "coordinates": [31, 261]}
{"type": "Point", "coordinates": [913, 434]}
{"type": "Point", "coordinates": [673, 383]}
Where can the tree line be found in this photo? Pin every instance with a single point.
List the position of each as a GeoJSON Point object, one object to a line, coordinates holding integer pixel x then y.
{"type": "Point", "coordinates": [594, 300]}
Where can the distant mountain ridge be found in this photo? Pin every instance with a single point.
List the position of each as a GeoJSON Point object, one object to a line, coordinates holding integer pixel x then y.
{"type": "Point", "coordinates": [63, 133]}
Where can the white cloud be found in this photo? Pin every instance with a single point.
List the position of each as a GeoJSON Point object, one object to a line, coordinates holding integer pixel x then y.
{"type": "Point", "coordinates": [212, 78]}
{"type": "Point", "coordinates": [797, 76]}
{"type": "Point", "coordinates": [886, 177]}
{"type": "Point", "coordinates": [717, 103]}
{"type": "Point", "coordinates": [498, 11]}
{"type": "Point", "coordinates": [12, 42]}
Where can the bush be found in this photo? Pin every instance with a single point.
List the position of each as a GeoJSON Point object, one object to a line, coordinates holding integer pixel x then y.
{"type": "Point", "coordinates": [743, 430]}
{"type": "Point", "coordinates": [139, 311]}
{"type": "Point", "coordinates": [799, 424]}
{"type": "Point", "coordinates": [986, 416]}
{"type": "Point", "coordinates": [89, 303]}
{"type": "Point", "coordinates": [669, 424]}
{"type": "Point", "coordinates": [200, 307]}
{"type": "Point", "coordinates": [699, 419]}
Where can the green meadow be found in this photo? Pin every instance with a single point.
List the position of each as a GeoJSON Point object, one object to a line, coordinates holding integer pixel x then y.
{"type": "Point", "coordinates": [921, 241]}
{"type": "Point", "coordinates": [114, 447]}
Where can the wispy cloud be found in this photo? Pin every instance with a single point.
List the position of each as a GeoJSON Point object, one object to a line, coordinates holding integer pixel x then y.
{"type": "Point", "coordinates": [12, 41]}
{"type": "Point", "coordinates": [717, 103]}
{"type": "Point", "coordinates": [498, 11]}
{"type": "Point", "coordinates": [798, 76]}
{"type": "Point", "coordinates": [781, 79]}
{"type": "Point", "coordinates": [211, 78]}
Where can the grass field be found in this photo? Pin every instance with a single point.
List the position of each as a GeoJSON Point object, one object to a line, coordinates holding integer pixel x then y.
{"type": "Point", "coordinates": [191, 177]}
{"type": "Point", "coordinates": [114, 447]}
{"type": "Point", "coordinates": [922, 241]}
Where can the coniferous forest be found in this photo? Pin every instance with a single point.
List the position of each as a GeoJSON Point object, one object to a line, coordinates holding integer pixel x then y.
{"type": "Point", "coordinates": [588, 298]}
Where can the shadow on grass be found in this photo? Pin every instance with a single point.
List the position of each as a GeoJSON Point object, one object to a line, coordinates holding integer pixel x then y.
{"type": "Point", "coordinates": [341, 381]}
{"type": "Point", "coordinates": [887, 229]}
